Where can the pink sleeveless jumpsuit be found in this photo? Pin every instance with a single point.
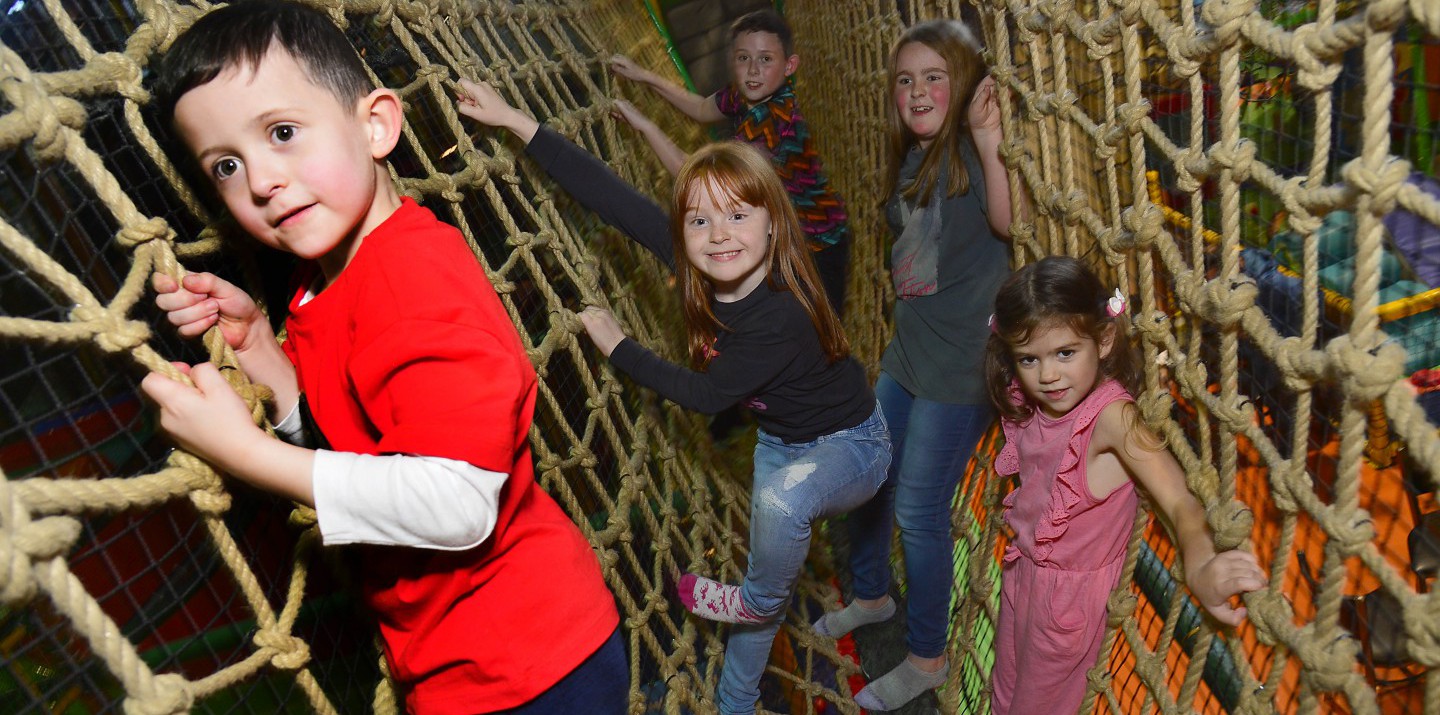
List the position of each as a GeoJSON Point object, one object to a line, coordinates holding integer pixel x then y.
{"type": "Point", "coordinates": [1062, 564]}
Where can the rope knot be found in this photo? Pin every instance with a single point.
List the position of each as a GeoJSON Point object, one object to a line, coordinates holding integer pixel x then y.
{"type": "Point", "coordinates": [1146, 221]}
{"type": "Point", "coordinates": [1120, 606]}
{"type": "Point", "coordinates": [1297, 363]}
{"type": "Point", "coordinates": [1297, 213]}
{"type": "Point", "coordinates": [1427, 12]}
{"type": "Point", "coordinates": [24, 544]}
{"type": "Point", "coordinates": [1314, 74]}
{"type": "Point", "coordinates": [211, 502]}
{"type": "Point", "coordinates": [1329, 661]}
{"type": "Point", "coordinates": [1366, 375]}
{"type": "Point", "coordinates": [1227, 299]}
{"type": "Point", "coordinates": [169, 695]}
{"type": "Point", "coordinates": [303, 517]}
{"type": "Point", "coordinates": [1231, 521]}
{"type": "Point", "coordinates": [150, 229]}
{"type": "Point", "coordinates": [1174, 39]}
{"type": "Point", "coordinates": [1383, 185]}
{"type": "Point", "coordinates": [1238, 157]}
{"type": "Point", "coordinates": [1099, 38]}
{"type": "Point", "coordinates": [1383, 16]}
{"type": "Point", "coordinates": [1422, 625]}
{"type": "Point", "coordinates": [1350, 530]}
{"type": "Point", "coordinates": [291, 652]}
{"type": "Point", "coordinates": [1226, 17]}
{"type": "Point", "coordinates": [113, 333]}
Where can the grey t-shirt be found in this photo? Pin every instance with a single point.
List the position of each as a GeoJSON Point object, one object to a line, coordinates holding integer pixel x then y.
{"type": "Point", "coordinates": [938, 351]}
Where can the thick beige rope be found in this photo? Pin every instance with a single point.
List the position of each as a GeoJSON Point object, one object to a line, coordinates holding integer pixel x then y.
{"type": "Point", "coordinates": [1080, 139]}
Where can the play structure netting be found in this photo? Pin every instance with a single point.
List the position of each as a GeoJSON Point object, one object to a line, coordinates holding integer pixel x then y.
{"type": "Point", "coordinates": [1233, 165]}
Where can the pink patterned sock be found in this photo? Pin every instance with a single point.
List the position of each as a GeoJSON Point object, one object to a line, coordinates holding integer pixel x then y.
{"type": "Point", "coordinates": [713, 600]}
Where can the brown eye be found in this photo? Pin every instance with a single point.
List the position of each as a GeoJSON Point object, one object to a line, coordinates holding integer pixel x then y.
{"type": "Point", "coordinates": [225, 168]}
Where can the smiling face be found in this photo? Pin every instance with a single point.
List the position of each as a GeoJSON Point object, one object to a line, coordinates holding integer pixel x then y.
{"type": "Point", "coordinates": [760, 65]}
{"type": "Point", "coordinates": [728, 241]}
{"type": "Point", "coordinates": [921, 91]}
{"type": "Point", "coordinates": [296, 168]}
{"type": "Point", "coordinates": [1058, 367]}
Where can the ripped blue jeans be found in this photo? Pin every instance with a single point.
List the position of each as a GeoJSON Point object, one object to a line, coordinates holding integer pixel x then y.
{"type": "Point", "coordinates": [795, 485]}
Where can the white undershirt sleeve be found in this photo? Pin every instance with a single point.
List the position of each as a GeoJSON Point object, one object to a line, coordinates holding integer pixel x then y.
{"type": "Point", "coordinates": [291, 430]}
{"type": "Point", "coordinates": [403, 500]}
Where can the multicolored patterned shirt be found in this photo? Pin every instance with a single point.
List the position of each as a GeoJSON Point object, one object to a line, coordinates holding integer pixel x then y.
{"type": "Point", "coordinates": [777, 126]}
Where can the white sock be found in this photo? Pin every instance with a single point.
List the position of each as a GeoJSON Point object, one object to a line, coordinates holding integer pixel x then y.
{"type": "Point", "coordinates": [838, 623]}
{"type": "Point", "coordinates": [900, 686]}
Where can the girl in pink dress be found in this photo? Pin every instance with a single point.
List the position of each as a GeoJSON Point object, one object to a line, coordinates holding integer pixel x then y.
{"type": "Point", "coordinates": [1062, 373]}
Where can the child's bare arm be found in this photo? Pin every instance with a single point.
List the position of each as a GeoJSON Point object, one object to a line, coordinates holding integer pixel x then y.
{"type": "Point", "coordinates": [671, 156]}
{"type": "Point", "coordinates": [984, 118]}
{"type": "Point", "coordinates": [1213, 578]}
{"type": "Point", "coordinates": [701, 109]}
{"type": "Point", "coordinates": [202, 300]}
{"type": "Point", "coordinates": [480, 101]}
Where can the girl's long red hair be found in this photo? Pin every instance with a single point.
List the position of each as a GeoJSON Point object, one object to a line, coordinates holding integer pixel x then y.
{"type": "Point", "coordinates": [740, 172]}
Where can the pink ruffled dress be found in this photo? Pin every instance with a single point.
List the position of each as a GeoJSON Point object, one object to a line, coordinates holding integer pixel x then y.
{"type": "Point", "coordinates": [1062, 564]}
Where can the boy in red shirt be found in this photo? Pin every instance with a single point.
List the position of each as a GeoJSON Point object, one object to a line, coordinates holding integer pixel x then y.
{"type": "Point", "coordinates": [488, 597]}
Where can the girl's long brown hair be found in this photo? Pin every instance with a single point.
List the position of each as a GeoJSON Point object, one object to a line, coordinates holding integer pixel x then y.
{"type": "Point", "coordinates": [956, 44]}
{"type": "Point", "coordinates": [1057, 290]}
{"type": "Point", "coordinates": [740, 172]}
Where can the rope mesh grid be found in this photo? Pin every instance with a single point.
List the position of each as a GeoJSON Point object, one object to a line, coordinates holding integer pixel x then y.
{"type": "Point", "coordinates": [216, 596]}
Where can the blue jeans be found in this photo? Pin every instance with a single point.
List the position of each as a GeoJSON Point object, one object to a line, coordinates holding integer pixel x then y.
{"type": "Point", "coordinates": [795, 485]}
{"type": "Point", "coordinates": [933, 442]}
{"type": "Point", "coordinates": [600, 685]}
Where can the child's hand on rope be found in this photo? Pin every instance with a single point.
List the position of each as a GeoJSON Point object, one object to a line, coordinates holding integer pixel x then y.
{"type": "Point", "coordinates": [202, 300]}
{"type": "Point", "coordinates": [1227, 574]}
{"type": "Point", "coordinates": [209, 419]}
{"type": "Point", "coordinates": [603, 328]}
{"type": "Point", "coordinates": [626, 67]}
{"type": "Point", "coordinates": [627, 113]}
{"type": "Point", "coordinates": [480, 101]}
{"type": "Point", "coordinates": [984, 111]}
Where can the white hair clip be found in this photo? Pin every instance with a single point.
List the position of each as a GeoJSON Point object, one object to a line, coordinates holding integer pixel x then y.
{"type": "Point", "coordinates": [1116, 305]}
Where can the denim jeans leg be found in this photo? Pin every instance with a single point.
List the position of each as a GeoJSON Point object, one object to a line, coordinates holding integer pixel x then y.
{"type": "Point", "coordinates": [941, 439]}
{"type": "Point", "coordinates": [794, 485]}
{"type": "Point", "coordinates": [933, 441]}
{"type": "Point", "coordinates": [872, 526]}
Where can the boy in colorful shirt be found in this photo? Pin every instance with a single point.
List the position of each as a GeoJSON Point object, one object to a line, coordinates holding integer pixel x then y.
{"type": "Point", "coordinates": [761, 101]}
{"type": "Point", "coordinates": [488, 597]}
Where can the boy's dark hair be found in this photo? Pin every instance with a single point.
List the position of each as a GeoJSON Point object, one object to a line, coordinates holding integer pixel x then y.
{"type": "Point", "coordinates": [765, 21]}
{"type": "Point", "coordinates": [242, 32]}
{"type": "Point", "coordinates": [1054, 290]}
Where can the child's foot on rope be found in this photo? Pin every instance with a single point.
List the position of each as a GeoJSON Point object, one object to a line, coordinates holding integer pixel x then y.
{"type": "Point", "coordinates": [838, 623]}
{"type": "Point", "coordinates": [713, 600]}
{"type": "Point", "coordinates": [900, 686]}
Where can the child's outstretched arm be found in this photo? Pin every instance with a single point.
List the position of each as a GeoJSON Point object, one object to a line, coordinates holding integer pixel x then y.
{"type": "Point", "coordinates": [701, 109]}
{"type": "Point", "coordinates": [1213, 578]}
{"type": "Point", "coordinates": [587, 179]}
{"type": "Point", "coordinates": [480, 101]}
{"type": "Point", "coordinates": [984, 118]}
{"type": "Point", "coordinates": [671, 156]}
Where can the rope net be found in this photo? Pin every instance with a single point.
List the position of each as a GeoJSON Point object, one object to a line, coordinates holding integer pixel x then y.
{"type": "Point", "coordinates": [135, 575]}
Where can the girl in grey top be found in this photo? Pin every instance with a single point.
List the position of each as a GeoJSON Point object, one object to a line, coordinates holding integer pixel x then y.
{"type": "Point", "coordinates": [950, 210]}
